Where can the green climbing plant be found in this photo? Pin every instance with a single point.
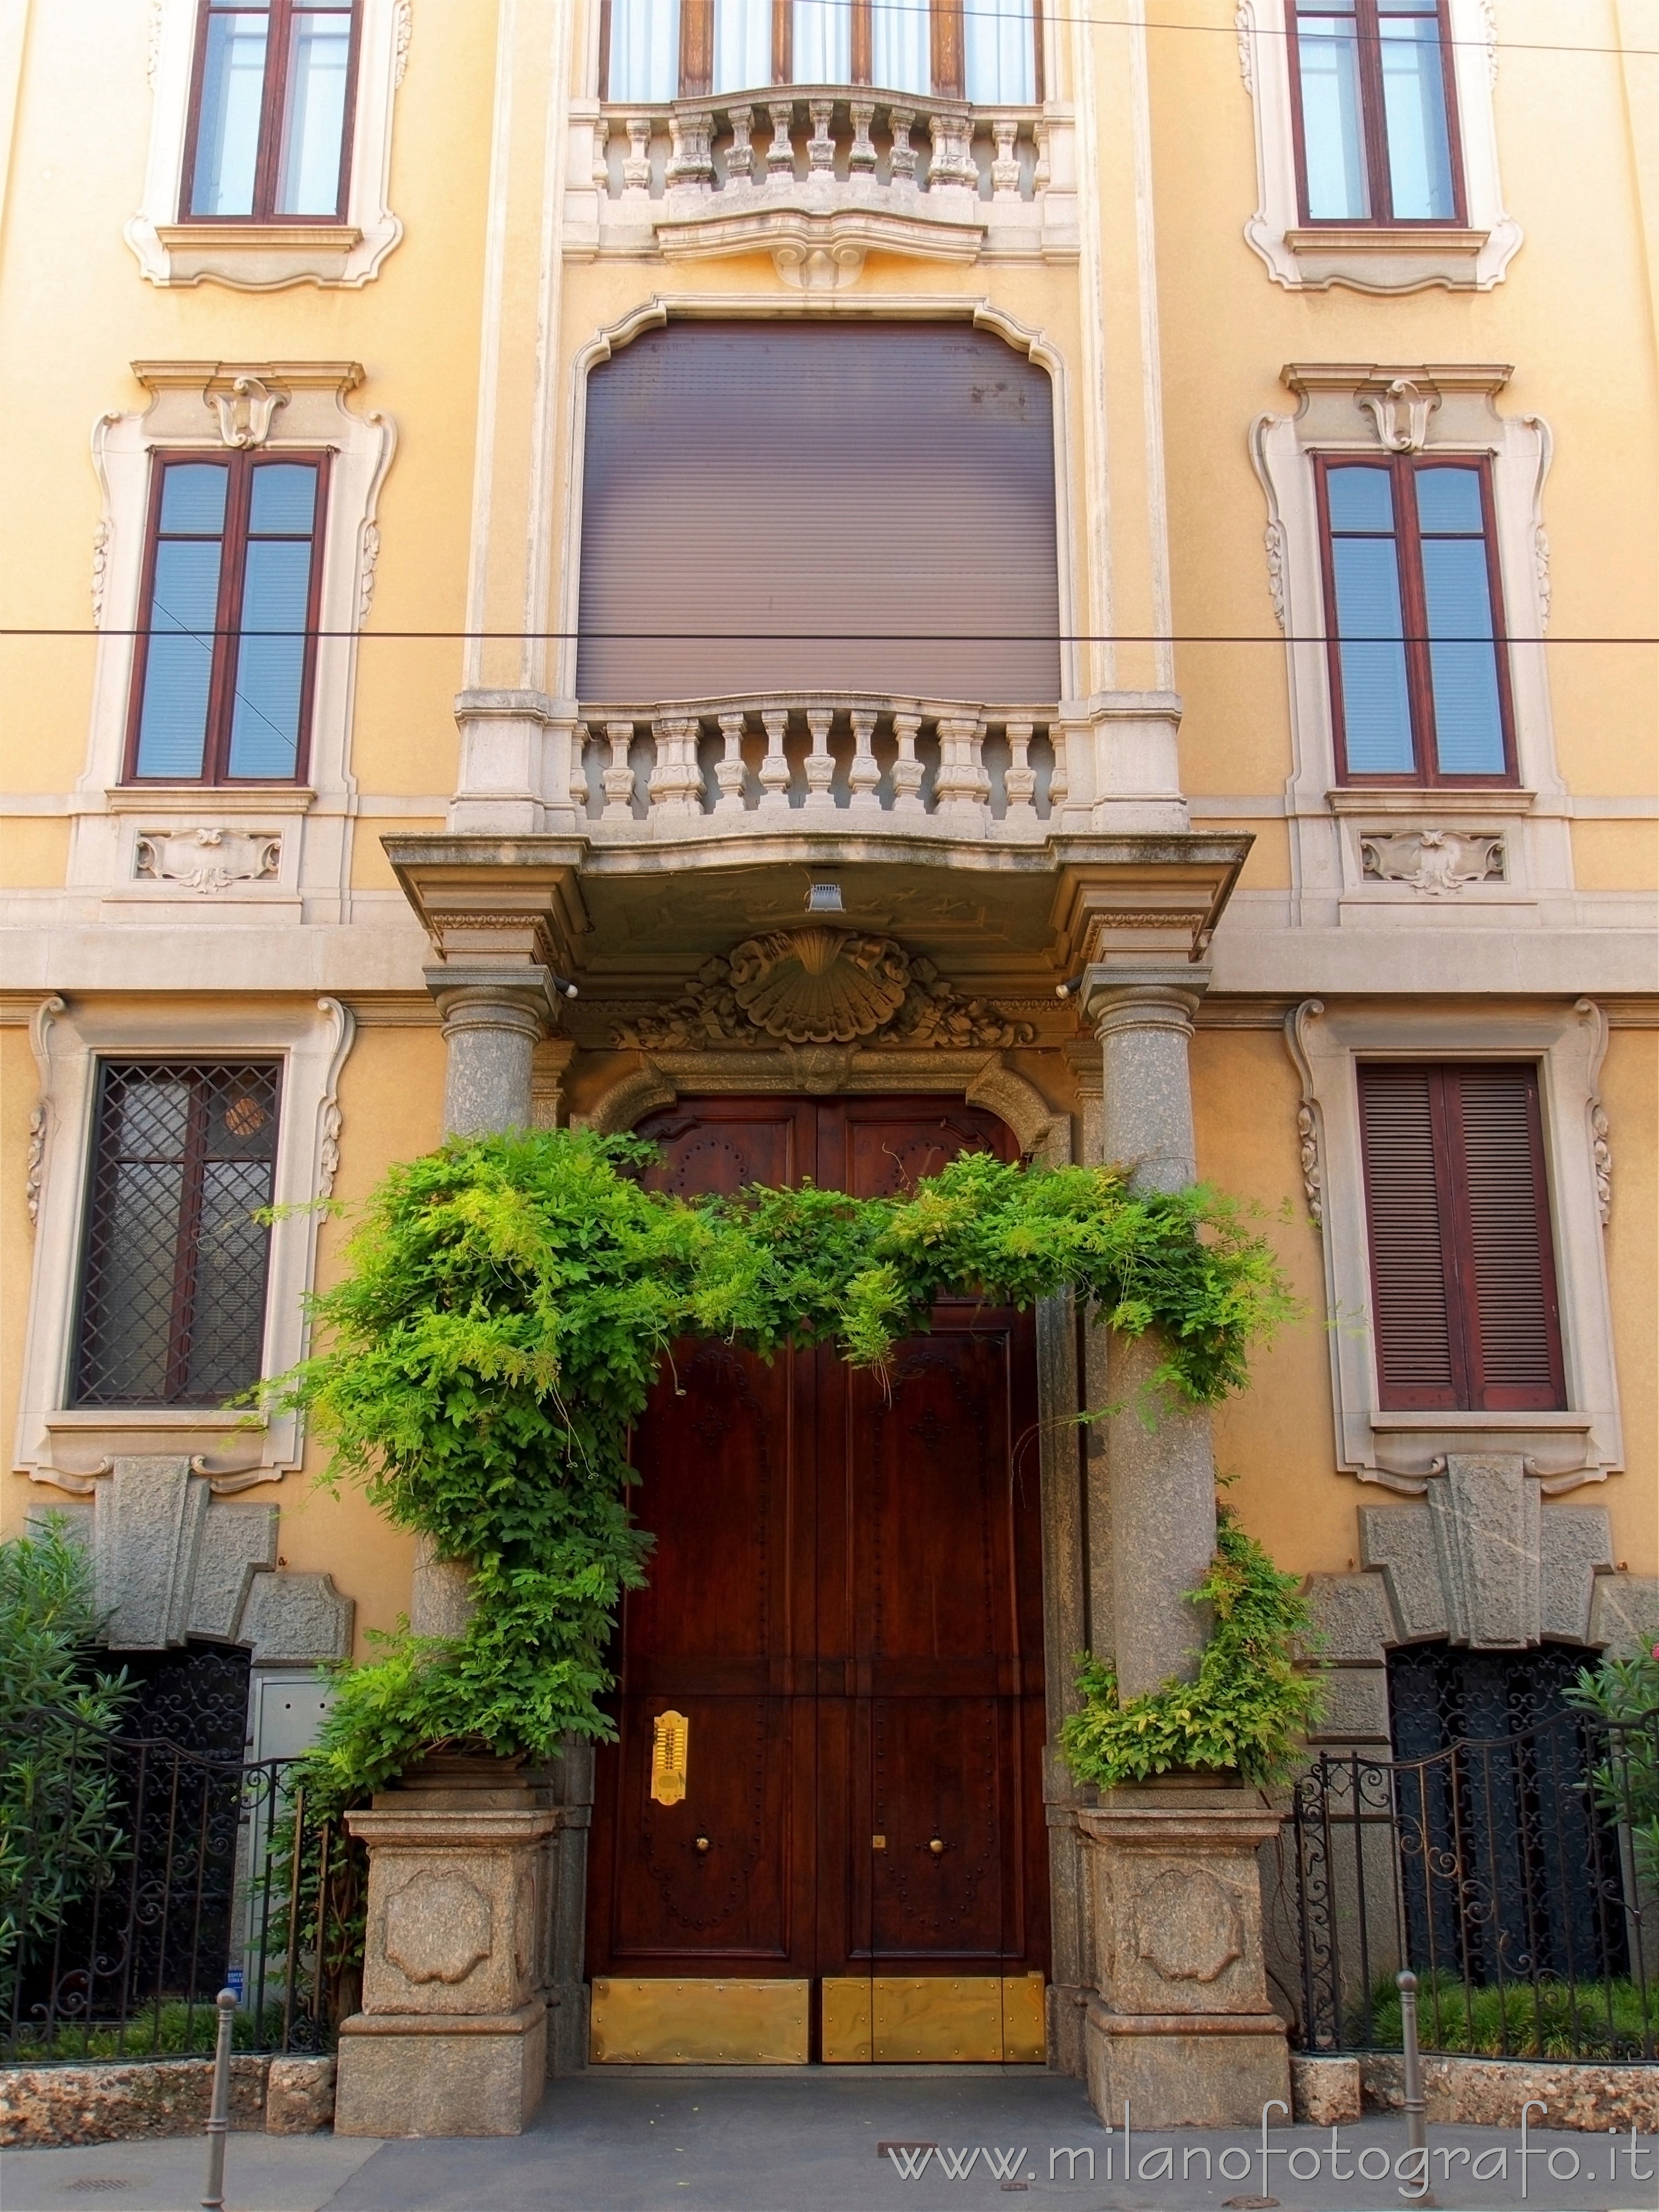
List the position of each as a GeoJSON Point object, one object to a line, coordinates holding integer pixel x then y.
{"type": "Point", "coordinates": [504, 1306]}
{"type": "Point", "coordinates": [1250, 1705]}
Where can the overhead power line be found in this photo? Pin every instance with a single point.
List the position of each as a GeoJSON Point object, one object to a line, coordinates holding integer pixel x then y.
{"type": "Point", "coordinates": [826, 636]}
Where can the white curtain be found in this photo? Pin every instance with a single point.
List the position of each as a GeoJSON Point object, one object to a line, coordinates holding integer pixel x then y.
{"type": "Point", "coordinates": [1001, 52]}
{"type": "Point", "coordinates": [743, 44]}
{"type": "Point", "coordinates": [821, 33]}
{"type": "Point", "coordinates": [900, 57]}
{"type": "Point", "coordinates": [645, 50]}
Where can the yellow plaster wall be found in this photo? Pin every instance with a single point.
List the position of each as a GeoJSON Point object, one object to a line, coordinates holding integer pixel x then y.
{"type": "Point", "coordinates": [371, 871]}
{"type": "Point", "coordinates": [34, 851]}
{"type": "Point", "coordinates": [1609, 856]}
{"type": "Point", "coordinates": [390, 1102]}
{"type": "Point", "coordinates": [1630, 1091]}
{"type": "Point", "coordinates": [18, 1090]}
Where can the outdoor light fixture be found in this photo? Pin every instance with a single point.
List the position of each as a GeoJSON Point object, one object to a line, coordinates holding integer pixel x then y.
{"type": "Point", "coordinates": [1069, 990]}
{"type": "Point", "coordinates": [823, 898]}
{"type": "Point", "coordinates": [564, 987]}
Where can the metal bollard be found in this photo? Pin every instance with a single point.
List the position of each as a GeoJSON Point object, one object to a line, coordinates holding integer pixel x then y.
{"type": "Point", "coordinates": [1417, 2106]}
{"type": "Point", "coordinates": [218, 2124]}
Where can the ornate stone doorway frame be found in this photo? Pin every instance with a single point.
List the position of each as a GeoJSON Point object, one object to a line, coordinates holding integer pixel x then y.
{"type": "Point", "coordinates": [1044, 1134]}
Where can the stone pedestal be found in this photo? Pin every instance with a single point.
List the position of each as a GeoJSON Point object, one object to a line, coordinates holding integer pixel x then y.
{"type": "Point", "coordinates": [452, 2039]}
{"type": "Point", "coordinates": [1180, 2028]}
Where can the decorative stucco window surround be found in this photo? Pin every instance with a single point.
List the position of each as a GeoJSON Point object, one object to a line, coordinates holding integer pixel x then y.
{"type": "Point", "coordinates": [1403, 1450]}
{"type": "Point", "coordinates": [66, 1447]}
{"type": "Point", "coordinates": [253, 853]}
{"type": "Point", "coordinates": [265, 257]}
{"type": "Point", "coordinates": [1400, 857]}
{"type": "Point", "coordinates": [1376, 256]}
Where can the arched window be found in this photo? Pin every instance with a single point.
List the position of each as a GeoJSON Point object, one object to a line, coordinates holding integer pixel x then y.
{"type": "Point", "coordinates": [795, 506]}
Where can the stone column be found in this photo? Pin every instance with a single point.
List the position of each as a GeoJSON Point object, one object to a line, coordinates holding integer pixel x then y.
{"type": "Point", "coordinates": [493, 1020]}
{"type": "Point", "coordinates": [452, 2039]}
{"type": "Point", "coordinates": [1160, 1513]}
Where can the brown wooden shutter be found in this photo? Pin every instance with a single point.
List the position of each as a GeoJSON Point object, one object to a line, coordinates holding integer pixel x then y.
{"type": "Point", "coordinates": [1464, 1302]}
{"type": "Point", "coordinates": [846, 483]}
{"type": "Point", "coordinates": [1413, 1289]}
{"type": "Point", "coordinates": [1504, 1258]}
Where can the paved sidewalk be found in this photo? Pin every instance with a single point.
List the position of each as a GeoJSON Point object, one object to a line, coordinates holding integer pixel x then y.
{"type": "Point", "coordinates": [722, 2141]}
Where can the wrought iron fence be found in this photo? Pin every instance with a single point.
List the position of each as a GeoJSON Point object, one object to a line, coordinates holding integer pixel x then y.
{"type": "Point", "coordinates": [138, 1879]}
{"type": "Point", "coordinates": [1517, 1876]}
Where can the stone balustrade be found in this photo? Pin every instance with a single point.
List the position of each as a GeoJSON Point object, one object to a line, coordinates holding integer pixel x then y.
{"type": "Point", "coordinates": [792, 761]}
{"type": "Point", "coordinates": [821, 135]}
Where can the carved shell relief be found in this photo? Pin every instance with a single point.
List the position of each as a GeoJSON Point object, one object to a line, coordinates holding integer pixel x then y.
{"type": "Point", "coordinates": [819, 985]}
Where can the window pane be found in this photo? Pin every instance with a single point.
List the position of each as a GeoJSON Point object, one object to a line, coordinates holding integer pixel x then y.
{"type": "Point", "coordinates": [1333, 133]}
{"type": "Point", "coordinates": [193, 498]}
{"type": "Point", "coordinates": [1375, 702]}
{"type": "Point", "coordinates": [179, 1150]}
{"type": "Point", "coordinates": [1360, 499]}
{"type": "Point", "coordinates": [743, 44]}
{"type": "Point", "coordinates": [227, 129]}
{"type": "Point", "coordinates": [645, 50]}
{"type": "Point", "coordinates": [178, 660]}
{"type": "Point", "coordinates": [284, 498]}
{"type": "Point", "coordinates": [1414, 115]}
{"type": "Point", "coordinates": [899, 56]}
{"type": "Point", "coordinates": [313, 127]}
{"type": "Point", "coordinates": [229, 1311]}
{"type": "Point", "coordinates": [999, 56]}
{"type": "Point", "coordinates": [1468, 723]}
{"type": "Point", "coordinates": [1449, 498]}
{"type": "Point", "coordinates": [822, 42]}
{"type": "Point", "coordinates": [265, 728]}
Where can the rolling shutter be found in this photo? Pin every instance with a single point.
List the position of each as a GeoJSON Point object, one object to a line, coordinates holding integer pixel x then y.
{"type": "Point", "coordinates": [1464, 1306]}
{"type": "Point", "coordinates": [868, 508]}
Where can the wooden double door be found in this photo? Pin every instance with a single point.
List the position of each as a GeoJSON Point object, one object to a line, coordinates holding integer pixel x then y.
{"type": "Point", "coordinates": [845, 1608]}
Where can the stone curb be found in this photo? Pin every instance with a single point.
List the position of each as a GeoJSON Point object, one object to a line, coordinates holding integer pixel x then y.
{"type": "Point", "coordinates": [128, 2102]}
{"type": "Point", "coordinates": [1480, 2092]}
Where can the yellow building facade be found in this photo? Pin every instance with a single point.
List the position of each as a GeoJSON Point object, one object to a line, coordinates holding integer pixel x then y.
{"type": "Point", "coordinates": [832, 580]}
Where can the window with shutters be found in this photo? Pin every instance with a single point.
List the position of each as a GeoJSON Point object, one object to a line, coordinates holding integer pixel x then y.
{"type": "Point", "coordinates": [171, 1303]}
{"type": "Point", "coordinates": [984, 51]}
{"type": "Point", "coordinates": [1419, 675]}
{"type": "Point", "coordinates": [270, 130]}
{"type": "Point", "coordinates": [1375, 111]}
{"type": "Point", "coordinates": [223, 675]}
{"type": "Point", "coordinates": [896, 487]}
{"type": "Point", "coordinates": [1464, 1311]}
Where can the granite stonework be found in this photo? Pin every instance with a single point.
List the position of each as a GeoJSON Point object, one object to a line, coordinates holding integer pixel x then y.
{"type": "Point", "coordinates": [1179, 2024]}
{"type": "Point", "coordinates": [1489, 2093]}
{"type": "Point", "coordinates": [172, 1562]}
{"type": "Point", "coordinates": [494, 1017]}
{"type": "Point", "coordinates": [127, 2100]}
{"type": "Point", "coordinates": [1326, 2093]}
{"type": "Point", "coordinates": [451, 2038]}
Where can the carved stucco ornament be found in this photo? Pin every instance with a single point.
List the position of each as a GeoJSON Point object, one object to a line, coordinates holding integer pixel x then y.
{"type": "Point", "coordinates": [1434, 861]}
{"type": "Point", "coordinates": [1189, 1925]}
{"type": "Point", "coordinates": [820, 987]}
{"type": "Point", "coordinates": [438, 1928]}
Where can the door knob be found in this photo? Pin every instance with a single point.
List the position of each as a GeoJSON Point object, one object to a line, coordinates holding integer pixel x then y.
{"type": "Point", "coordinates": [702, 1843]}
{"type": "Point", "coordinates": [937, 1846]}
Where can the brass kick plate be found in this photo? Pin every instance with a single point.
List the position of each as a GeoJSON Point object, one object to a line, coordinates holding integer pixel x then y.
{"type": "Point", "coordinates": [694, 2023]}
{"type": "Point", "coordinates": [942, 2018]}
{"type": "Point", "coordinates": [671, 1743]}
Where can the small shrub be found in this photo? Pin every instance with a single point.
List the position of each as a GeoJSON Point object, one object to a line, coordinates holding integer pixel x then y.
{"type": "Point", "coordinates": [59, 1830]}
{"type": "Point", "coordinates": [1250, 1707]}
{"type": "Point", "coordinates": [1625, 1691]}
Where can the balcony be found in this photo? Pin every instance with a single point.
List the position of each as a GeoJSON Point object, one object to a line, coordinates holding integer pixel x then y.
{"type": "Point", "coordinates": [798, 761]}
{"type": "Point", "coordinates": [820, 175]}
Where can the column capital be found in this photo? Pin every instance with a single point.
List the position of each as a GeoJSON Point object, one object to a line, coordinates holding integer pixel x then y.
{"type": "Point", "coordinates": [1149, 995]}
{"type": "Point", "coordinates": [507, 995]}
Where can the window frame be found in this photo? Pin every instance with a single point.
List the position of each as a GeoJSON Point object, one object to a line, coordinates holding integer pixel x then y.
{"type": "Point", "coordinates": [1425, 773]}
{"type": "Point", "coordinates": [227, 632]}
{"type": "Point", "coordinates": [95, 1233]}
{"type": "Point", "coordinates": [273, 105]}
{"type": "Point", "coordinates": [1465, 1332]}
{"type": "Point", "coordinates": [1373, 117]}
{"type": "Point", "coordinates": [947, 50]}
